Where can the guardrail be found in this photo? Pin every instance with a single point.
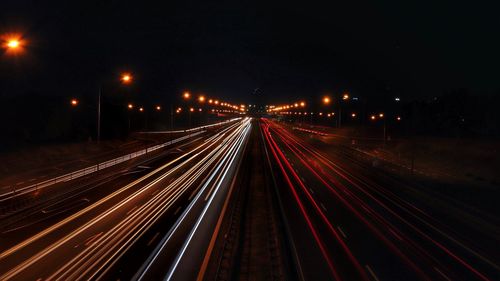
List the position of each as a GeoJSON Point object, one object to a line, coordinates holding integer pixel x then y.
{"type": "Point", "coordinates": [192, 129]}
{"type": "Point", "coordinates": [100, 166]}
{"type": "Point", "coordinates": [91, 169]}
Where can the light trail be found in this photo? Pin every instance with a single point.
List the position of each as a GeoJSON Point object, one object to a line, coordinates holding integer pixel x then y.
{"type": "Point", "coordinates": [323, 170]}
{"type": "Point", "coordinates": [130, 219]}
{"type": "Point", "coordinates": [319, 242]}
{"type": "Point", "coordinates": [228, 163]}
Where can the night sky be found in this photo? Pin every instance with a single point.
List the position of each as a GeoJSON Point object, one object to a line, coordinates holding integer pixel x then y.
{"type": "Point", "coordinates": [227, 49]}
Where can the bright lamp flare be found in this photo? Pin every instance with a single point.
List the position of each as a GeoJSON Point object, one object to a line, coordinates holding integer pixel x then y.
{"type": "Point", "coordinates": [126, 78]}
{"type": "Point", "coordinates": [13, 44]}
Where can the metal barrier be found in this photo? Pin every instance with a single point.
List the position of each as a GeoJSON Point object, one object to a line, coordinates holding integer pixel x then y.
{"type": "Point", "coordinates": [109, 163]}
{"type": "Point", "coordinates": [94, 168]}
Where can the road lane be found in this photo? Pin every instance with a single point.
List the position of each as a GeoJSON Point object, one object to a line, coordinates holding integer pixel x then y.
{"type": "Point", "coordinates": [391, 237]}
{"type": "Point", "coordinates": [85, 244]}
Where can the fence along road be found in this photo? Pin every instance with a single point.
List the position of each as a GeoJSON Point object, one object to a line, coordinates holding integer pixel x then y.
{"type": "Point", "coordinates": [100, 166]}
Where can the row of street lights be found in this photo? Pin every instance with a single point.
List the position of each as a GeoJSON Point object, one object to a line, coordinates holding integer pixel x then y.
{"type": "Point", "coordinates": [208, 101]}
{"type": "Point", "coordinates": [14, 44]}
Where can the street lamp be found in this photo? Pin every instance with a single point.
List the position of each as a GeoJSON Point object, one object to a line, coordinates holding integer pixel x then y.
{"type": "Point", "coordinates": [381, 116]}
{"type": "Point", "coordinates": [158, 108]}
{"type": "Point", "coordinates": [74, 102]}
{"type": "Point", "coordinates": [326, 100]}
{"type": "Point", "coordinates": [191, 110]}
{"type": "Point", "coordinates": [201, 99]}
{"type": "Point", "coordinates": [126, 78]}
{"type": "Point", "coordinates": [13, 44]}
{"type": "Point", "coordinates": [186, 95]}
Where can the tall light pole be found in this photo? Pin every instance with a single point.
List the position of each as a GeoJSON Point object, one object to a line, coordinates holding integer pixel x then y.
{"type": "Point", "coordinates": [345, 97]}
{"type": "Point", "coordinates": [125, 78]}
{"type": "Point", "coordinates": [381, 116]}
{"type": "Point", "coordinates": [190, 111]}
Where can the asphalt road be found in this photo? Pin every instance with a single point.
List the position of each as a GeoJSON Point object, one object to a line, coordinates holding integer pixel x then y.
{"type": "Point", "coordinates": [353, 222]}
{"type": "Point", "coordinates": [92, 233]}
{"type": "Point", "coordinates": [342, 219]}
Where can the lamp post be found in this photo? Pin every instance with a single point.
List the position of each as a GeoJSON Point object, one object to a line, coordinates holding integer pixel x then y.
{"type": "Point", "coordinates": [381, 116]}
{"type": "Point", "coordinates": [126, 78]}
{"type": "Point", "coordinates": [190, 111]}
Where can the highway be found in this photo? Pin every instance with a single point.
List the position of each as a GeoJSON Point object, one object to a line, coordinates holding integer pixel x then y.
{"type": "Point", "coordinates": [351, 222]}
{"type": "Point", "coordinates": [327, 214]}
{"type": "Point", "coordinates": [93, 234]}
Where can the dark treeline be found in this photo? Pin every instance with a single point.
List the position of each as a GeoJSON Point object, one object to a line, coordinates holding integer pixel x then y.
{"type": "Point", "coordinates": [457, 113]}
{"type": "Point", "coordinates": [35, 119]}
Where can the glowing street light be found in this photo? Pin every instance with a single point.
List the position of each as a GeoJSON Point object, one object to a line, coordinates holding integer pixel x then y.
{"type": "Point", "coordinates": [302, 104]}
{"type": "Point", "coordinates": [130, 106]}
{"type": "Point", "coordinates": [186, 95]}
{"type": "Point", "coordinates": [353, 115]}
{"type": "Point", "coordinates": [191, 109]}
{"type": "Point", "coordinates": [141, 109]}
{"type": "Point", "coordinates": [126, 78]}
{"type": "Point", "coordinates": [326, 100]}
{"type": "Point", "coordinates": [373, 117]}
{"type": "Point", "coordinates": [381, 115]}
{"type": "Point", "coordinates": [201, 99]}
{"type": "Point", "coordinates": [74, 102]}
{"type": "Point", "coordinates": [345, 96]}
{"type": "Point", "coordinates": [398, 118]}
{"type": "Point", "coordinates": [158, 107]}
{"type": "Point", "coordinates": [13, 44]}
